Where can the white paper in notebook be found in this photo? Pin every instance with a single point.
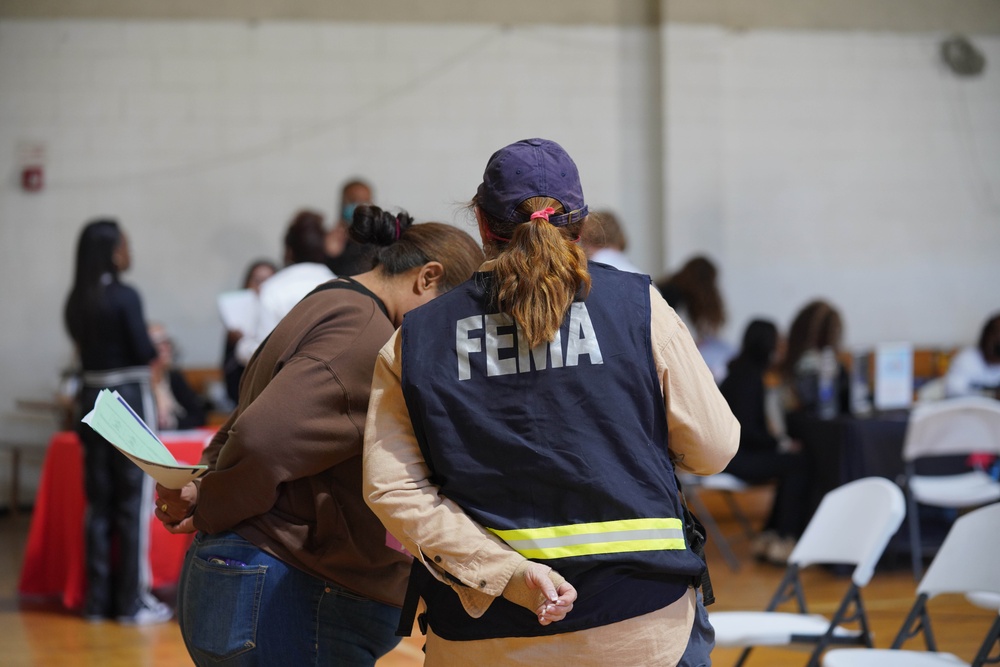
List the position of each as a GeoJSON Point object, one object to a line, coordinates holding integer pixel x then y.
{"type": "Point", "coordinates": [115, 420]}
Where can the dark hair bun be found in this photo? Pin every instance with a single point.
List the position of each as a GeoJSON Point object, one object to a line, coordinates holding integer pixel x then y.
{"type": "Point", "coordinates": [373, 225]}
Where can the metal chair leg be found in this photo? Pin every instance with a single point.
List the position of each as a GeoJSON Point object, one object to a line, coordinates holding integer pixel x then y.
{"type": "Point", "coordinates": [737, 512]}
{"type": "Point", "coordinates": [916, 547]}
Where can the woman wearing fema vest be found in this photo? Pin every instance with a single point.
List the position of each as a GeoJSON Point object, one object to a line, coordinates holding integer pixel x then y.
{"type": "Point", "coordinates": [521, 439]}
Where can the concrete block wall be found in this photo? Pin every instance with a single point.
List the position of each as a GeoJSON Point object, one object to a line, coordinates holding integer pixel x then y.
{"type": "Point", "coordinates": [204, 137]}
{"type": "Point", "coordinates": [847, 165]}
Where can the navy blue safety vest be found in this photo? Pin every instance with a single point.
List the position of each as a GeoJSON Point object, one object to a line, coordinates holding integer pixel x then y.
{"type": "Point", "coordinates": [561, 450]}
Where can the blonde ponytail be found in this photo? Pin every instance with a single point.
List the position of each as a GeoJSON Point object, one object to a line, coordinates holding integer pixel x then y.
{"type": "Point", "coordinates": [539, 271]}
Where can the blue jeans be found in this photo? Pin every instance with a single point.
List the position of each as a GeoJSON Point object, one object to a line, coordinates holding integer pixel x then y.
{"type": "Point", "coordinates": [239, 606]}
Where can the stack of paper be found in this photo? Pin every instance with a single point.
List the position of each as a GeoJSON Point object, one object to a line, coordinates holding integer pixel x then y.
{"type": "Point", "coordinates": [115, 420]}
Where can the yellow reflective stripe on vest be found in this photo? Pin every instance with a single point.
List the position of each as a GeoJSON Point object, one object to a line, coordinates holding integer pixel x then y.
{"type": "Point", "coordinates": [603, 537]}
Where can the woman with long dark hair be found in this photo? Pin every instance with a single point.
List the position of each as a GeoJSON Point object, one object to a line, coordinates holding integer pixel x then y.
{"type": "Point", "coordinates": [766, 453]}
{"type": "Point", "coordinates": [521, 441]}
{"type": "Point", "coordinates": [694, 292]}
{"type": "Point", "coordinates": [814, 340]}
{"type": "Point", "coordinates": [104, 318]}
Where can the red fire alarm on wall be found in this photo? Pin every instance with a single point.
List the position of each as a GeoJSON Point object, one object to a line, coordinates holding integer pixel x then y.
{"type": "Point", "coordinates": [32, 178]}
{"type": "Point", "coordinates": [31, 155]}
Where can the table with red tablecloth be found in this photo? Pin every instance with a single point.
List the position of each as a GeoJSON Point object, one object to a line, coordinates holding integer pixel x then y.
{"type": "Point", "coordinates": [54, 558]}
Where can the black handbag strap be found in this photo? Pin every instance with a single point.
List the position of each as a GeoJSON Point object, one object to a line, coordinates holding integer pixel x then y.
{"type": "Point", "coordinates": [697, 537]}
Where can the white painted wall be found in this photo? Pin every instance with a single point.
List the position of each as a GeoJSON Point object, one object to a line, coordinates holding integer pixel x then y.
{"type": "Point", "coordinates": [846, 165]}
{"type": "Point", "coordinates": [204, 137]}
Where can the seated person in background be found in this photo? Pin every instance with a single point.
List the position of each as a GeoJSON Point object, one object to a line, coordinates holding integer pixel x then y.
{"type": "Point", "coordinates": [177, 405]}
{"type": "Point", "coordinates": [766, 453]}
{"type": "Point", "coordinates": [344, 255]}
{"type": "Point", "coordinates": [976, 369]}
{"type": "Point", "coordinates": [814, 341]}
{"type": "Point", "coordinates": [232, 369]}
{"type": "Point", "coordinates": [304, 269]}
{"type": "Point", "coordinates": [694, 294]}
{"type": "Point", "coordinates": [603, 239]}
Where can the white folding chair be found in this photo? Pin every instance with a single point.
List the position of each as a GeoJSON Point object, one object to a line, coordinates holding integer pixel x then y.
{"type": "Point", "coordinates": [952, 427]}
{"type": "Point", "coordinates": [727, 485]}
{"type": "Point", "coordinates": [852, 526]}
{"type": "Point", "coordinates": [965, 563]}
{"type": "Point", "coordinates": [984, 599]}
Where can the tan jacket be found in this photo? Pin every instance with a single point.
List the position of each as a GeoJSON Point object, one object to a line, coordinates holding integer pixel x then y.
{"type": "Point", "coordinates": [703, 437]}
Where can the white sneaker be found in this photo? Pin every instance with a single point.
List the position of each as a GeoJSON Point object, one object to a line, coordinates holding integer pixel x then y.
{"type": "Point", "coordinates": [762, 543]}
{"type": "Point", "coordinates": [157, 612]}
{"type": "Point", "coordinates": [780, 550]}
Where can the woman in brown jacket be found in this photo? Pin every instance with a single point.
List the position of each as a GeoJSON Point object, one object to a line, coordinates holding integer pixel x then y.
{"type": "Point", "coordinates": [289, 565]}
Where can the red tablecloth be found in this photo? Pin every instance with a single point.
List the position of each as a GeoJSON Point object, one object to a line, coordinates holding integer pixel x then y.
{"type": "Point", "coordinates": [54, 556]}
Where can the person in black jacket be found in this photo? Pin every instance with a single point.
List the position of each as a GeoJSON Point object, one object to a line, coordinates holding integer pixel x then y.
{"type": "Point", "coordinates": [765, 452]}
{"type": "Point", "coordinates": [105, 320]}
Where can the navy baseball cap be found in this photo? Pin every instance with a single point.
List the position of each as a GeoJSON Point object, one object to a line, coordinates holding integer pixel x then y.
{"type": "Point", "coordinates": [531, 168]}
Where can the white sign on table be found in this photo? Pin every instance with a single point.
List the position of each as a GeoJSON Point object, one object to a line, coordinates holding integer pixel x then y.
{"type": "Point", "coordinates": [893, 376]}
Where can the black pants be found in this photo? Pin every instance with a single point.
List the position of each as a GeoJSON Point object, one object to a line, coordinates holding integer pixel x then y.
{"type": "Point", "coordinates": [119, 507]}
{"type": "Point", "coordinates": [790, 511]}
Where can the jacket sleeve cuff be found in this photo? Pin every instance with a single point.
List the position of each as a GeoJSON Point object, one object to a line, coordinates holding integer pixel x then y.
{"type": "Point", "coordinates": [476, 582]}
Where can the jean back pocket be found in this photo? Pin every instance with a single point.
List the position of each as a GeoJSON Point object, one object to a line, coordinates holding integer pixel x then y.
{"type": "Point", "coordinates": [221, 608]}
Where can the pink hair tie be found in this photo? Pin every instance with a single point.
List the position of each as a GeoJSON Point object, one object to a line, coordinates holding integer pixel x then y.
{"type": "Point", "coordinates": [544, 213]}
{"type": "Point", "coordinates": [399, 232]}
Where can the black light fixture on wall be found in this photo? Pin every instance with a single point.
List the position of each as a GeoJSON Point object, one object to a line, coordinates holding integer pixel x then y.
{"type": "Point", "coordinates": [961, 57]}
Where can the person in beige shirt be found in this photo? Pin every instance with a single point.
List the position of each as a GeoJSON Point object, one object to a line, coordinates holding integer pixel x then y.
{"type": "Point", "coordinates": [434, 508]}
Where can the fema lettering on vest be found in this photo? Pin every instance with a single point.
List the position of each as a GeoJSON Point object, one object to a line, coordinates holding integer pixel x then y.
{"type": "Point", "coordinates": [501, 334]}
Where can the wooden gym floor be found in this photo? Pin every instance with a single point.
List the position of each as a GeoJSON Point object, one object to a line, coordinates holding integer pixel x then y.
{"type": "Point", "coordinates": [42, 634]}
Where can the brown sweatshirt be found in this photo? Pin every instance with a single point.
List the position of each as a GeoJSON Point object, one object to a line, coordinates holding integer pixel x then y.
{"type": "Point", "coordinates": [286, 466]}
